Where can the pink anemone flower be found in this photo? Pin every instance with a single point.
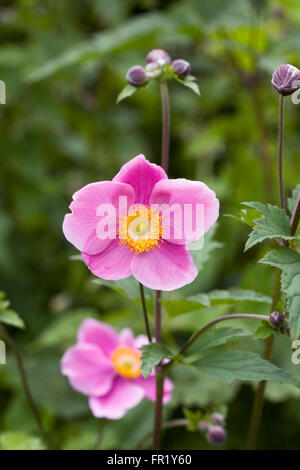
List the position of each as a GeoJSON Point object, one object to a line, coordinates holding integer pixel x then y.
{"type": "Point", "coordinates": [105, 366]}
{"type": "Point", "coordinates": [141, 241]}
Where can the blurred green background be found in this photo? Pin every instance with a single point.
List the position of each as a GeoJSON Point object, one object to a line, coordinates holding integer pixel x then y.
{"type": "Point", "coordinates": [64, 63]}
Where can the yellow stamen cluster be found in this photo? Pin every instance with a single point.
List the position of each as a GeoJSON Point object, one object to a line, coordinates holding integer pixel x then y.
{"type": "Point", "coordinates": [141, 229]}
{"type": "Point", "coordinates": [127, 362]}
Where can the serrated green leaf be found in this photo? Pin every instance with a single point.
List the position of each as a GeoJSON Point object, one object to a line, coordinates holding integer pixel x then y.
{"type": "Point", "coordinates": [216, 337]}
{"type": "Point", "coordinates": [291, 202]}
{"type": "Point", "coordinates": [246, 216]}
{"type": "Point", "coordinates": [274, 223]}
{"type": "Point", "coordinates": [289, 262]}
{"type": "Point", "coordinates": [243, 365]}
{"type": "Point", "coordinates": [127, 91]}
{"type": "Point", "coordinates": [20, 441]}
{"type": "Point", "coordinates": [176, 307]}
{"type": "Point", "coordinates": [152, 354]}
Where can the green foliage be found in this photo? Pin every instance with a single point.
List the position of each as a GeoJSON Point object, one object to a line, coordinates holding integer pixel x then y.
{"type": "Point", "coordinates": [217, 297]}
{"type": "Point", "coordinates": [215, 337]}
{"type": "Point", "coordinates": [193, 418]}
{"type": "Point", "coordinates": [242, 365]}
{"type": "Point", "coordinates": [274, 223]}
{"type": "Point", "coordinates": [265, 330]}
{"type": "Point", "coordinates": [289, 262]}
{"type": "Point", "coordinates": [127, 91]}
{"type": "Point", "coordinates": [152, 354]}
{"type": "Point", "coordinates": [20, 441]}
{"type": "Point", "coordinates": [8, 316]}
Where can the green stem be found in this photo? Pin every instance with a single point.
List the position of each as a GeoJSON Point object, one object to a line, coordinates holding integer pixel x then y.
{"type": "Point", "coordinates": [144, 309]}
{"type": "Point", "coordinates": [280, 152]}
{"type": "Point", "coordinates": [260, 391]}
{"type": "Point", "coordinates": [159, 374]}
{"type": "Point", "coordinates": [24, 380]}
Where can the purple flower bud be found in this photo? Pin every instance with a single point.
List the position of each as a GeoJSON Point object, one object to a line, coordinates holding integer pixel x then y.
{"type": "Point", "coordinates": [276, 319]}
{"type": "Point", "coordinates": [216, 435]}
{"type": "Point", "coordinates": [286, 79]}
{"type": "Point", "coordinates": [158, 56]}
{"type": "Point", "coordinates": [136, 76]}
{"type": "Point", "coordinates": [217, 418]}
{"type": "Point", "coordinates": [181, 67]}
{"type": "Point", "coordinates": [203, 425]}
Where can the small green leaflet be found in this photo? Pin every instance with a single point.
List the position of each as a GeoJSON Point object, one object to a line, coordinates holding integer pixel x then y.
{"type": "Point", "coordinates": [289, 262]}
{"type": "Point", "coordinates": [242, 365]}
{"type": "Point", "coordinates": [8, 316]}
{"type": "Point", "coordinates": [216, 297]}
{"type": "Point", "coordinates": [193, 418]}
{"type": "Point", "coordinates": [292, 200]}
{"type": "Point", "coordinates": [190, 83]}
{"type": "Point", "coordinates": [127, 91]}
{"type": "Point", "coordinates": [152, 354]}
{"type": "Point", "coordinates": [265, 330]}
{"type": "Point", "coordinates": [273, 223]}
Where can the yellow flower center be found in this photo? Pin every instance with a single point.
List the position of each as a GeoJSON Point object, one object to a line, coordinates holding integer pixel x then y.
{"type": "Point", "coordinates": [141, 229]}
{"type": "Point", "coordinates": [127, 362]}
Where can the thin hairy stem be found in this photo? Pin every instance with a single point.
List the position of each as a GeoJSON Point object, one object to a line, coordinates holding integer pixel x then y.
{"type": "Point", "coordinates": [260, 391]}
{"type": "Point", "coordinates": [23, 376]}
{"type": "Point", "coordinates": [159, 374]}
{"type": "Point", "coordinates": [175, 423]}
{"type": "Point", "coordinates": [280, 152]}
{"type": "Point", "coordinates": [295, 216]}
{"type": "Point", "coordinates": [145, 313]}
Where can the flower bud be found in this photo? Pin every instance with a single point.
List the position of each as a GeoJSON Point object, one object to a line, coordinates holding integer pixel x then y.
{"type": "Point", "coordinates": [203, 425]}
{"type": "Point", "coordinates": [158, 56]}
{"type": "Point", "coordinates": [136, 76]}
{"type": "Point", "coordinates": [276, 319]}
{"type": "Point", "coordinates": [181, 67]}
{"type": "Point", "coordinates": [216, 435]}
{"type": "Point", "coordinates": [286, 79]}
{"type": "Point", "coordinates": [217, 418]}
{"type": "Point", "coordinates": [153, 70]}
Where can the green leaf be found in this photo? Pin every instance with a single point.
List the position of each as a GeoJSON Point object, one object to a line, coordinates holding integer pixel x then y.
{"type": "Point", "coordinates": [7, 316]}
{"type": "Point", "coordinates": [265, 330]}
{"type": "Point", "coordinates": [127, 91]}
{"type": "Point", "coordinates": [243, 365]}
{"type": "Point", "coordinates": [246, 216]}
{"type": "Point", "coordinates": [193, 418]}
{"type": "Point", "coordinates": [216, 297]}
{"type": "Point", "coordinates": [152, 354]}
{"type": "Point", "coordinates": [273, 223]}
{"type": "Point", "coordinates": [20, 441]}
{"type": "Point", "coordinates": [191, 84]}
{"type": "Point", "coordinates": [291, 202]}
{"type": "Point", "coordinates": [128, 287]}
{"type": "Point", "coordinates": [289, 262]}
{"type": "Point", "coordinates": [216, 337]}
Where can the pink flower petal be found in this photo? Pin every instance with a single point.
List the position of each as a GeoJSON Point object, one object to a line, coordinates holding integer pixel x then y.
{"type": "Point", "coordinates": [100, 334]}
{"type": "Point", "coordinates": [125, 394]}
{"type": "Point", "coordinates": [149, 387]}
{"type": "Point", "coordinates": [184, 192]}
{"type": "Point", "coordinates": [126, 338]}
{"type": "Point", "coordinates": [113, 263]}
{"type": "Point", "coordinates": [166, 268]}
{"type": "Point", "coordinates": [140, 340]}
{"type": "Point", "coordinates": [87, 369]}
{"type": "Point", "coordinates": [80, 227]}
{"type": "Point", "coordinates": [142, 176]}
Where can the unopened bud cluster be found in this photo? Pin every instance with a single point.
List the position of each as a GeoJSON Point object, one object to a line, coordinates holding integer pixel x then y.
{"type": "Point", "coordinates": [159, 66]}
{"type": "Point", "coordinates": [215, 433]}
